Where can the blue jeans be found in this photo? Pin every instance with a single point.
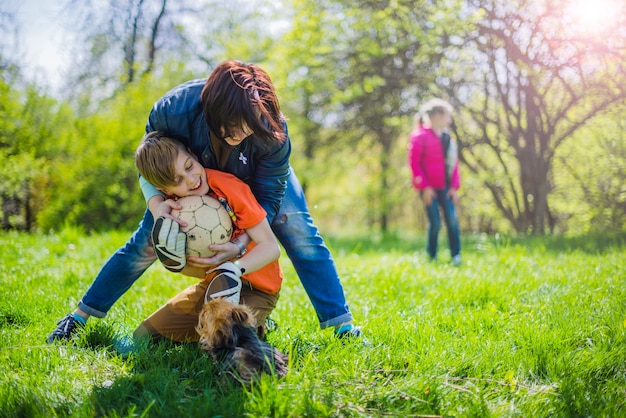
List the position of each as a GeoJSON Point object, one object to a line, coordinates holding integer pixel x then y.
{"type": "Point", "coordinates": [434, 224]}
{"type": "Point", "coordinates": [292, 226]}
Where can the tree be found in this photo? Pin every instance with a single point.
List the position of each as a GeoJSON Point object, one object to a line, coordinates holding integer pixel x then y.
{"type": "Point", "coordinates": [362, 69]}
{"type": "Point", "coordinates": [532, 83]}
{"type": "Point", "coordinates": [118, 42]}
{"type": "Point", "coordinates": [121, 41]}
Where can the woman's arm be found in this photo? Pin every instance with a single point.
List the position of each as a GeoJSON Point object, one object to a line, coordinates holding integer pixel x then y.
{"type": "Point", "coordinates": [269, 180]}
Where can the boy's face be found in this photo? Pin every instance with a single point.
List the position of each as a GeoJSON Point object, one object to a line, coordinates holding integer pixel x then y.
{"type": "Point", "coordinates": [190, 177]}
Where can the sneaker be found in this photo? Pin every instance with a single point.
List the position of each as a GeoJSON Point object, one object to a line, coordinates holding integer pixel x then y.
{"type": "Point", "coordinates": [270, 325]}
{"type": "Point", "coordinates": [456, 260]}
{"type": "Point", "coordinates": [66, 327]}
{"type": "Point", "coordinates": [124, 346]}
{"type": "Point", "coordinates": [352, 334]}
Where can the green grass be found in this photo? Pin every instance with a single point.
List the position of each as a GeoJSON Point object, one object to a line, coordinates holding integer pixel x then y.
{"type": "Point", "coordinates": [526, 327]}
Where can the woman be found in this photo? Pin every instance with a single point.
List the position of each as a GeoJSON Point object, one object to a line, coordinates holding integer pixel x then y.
{"type": "Point", "coordinates": [232, 122]}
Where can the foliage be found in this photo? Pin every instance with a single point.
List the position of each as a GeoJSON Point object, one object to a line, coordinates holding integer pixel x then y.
{"type": "Point", "coordinates": [97, 160]}
{"type": "Point", "coordinates": [528, 92]}
{"type": "Point", "coordinates": [594, 195]}
{"type": "Point", "coordinates": [526, 327]}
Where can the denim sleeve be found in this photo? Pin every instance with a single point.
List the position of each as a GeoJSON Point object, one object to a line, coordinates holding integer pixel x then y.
{"type": "Point", "coordinates": [270, 177]}
{"type": "Point", "coordinates": [179, 112]}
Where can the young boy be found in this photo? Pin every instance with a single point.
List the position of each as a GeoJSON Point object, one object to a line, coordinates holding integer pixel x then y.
{"type": "Point", "coordinates": [169, 166]}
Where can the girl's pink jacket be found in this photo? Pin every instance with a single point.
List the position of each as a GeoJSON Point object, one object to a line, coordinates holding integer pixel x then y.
{"type": "Point", "coordinates": [428, 162]}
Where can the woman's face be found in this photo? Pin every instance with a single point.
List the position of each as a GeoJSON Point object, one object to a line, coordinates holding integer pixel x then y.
{"type": "Point", "coordinates": [236, 134]}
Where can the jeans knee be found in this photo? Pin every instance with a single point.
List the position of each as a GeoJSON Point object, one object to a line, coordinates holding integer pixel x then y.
{"type": "Point", "coordinates": [435, 226]}
{"type": "Point", "coordinates": [453, 224]}
{"type": "Point", "coordinates": [297, 233]}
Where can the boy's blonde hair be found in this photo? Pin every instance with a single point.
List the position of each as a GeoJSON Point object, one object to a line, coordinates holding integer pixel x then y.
{"type": "Point", "coordinates": [155, 159]}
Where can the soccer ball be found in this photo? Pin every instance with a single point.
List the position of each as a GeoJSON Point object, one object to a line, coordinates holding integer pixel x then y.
{"type": "Point", "coordinates": [207, 223]}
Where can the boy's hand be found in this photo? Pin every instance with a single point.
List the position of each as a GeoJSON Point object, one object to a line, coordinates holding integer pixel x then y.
{"type": "Point", "coordinates": [223, 253]}
{"type": "Point", "coordinates": [169, 244]}
{"type": "Point", "coordinates": [226, 283]}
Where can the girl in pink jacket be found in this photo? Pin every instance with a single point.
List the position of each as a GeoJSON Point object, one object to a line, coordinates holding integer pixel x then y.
{"type": "Point", "coordinates": [433, 159]}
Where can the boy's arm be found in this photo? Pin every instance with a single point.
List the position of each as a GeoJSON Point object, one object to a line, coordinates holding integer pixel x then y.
{"type": "Point", "coordinates": [227, 280]}
{"type": "Point", "coordinates": [265, 251]}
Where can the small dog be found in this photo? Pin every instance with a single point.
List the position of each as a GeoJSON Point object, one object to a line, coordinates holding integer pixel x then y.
{"type": "Point", "coordinates": [228, 333]}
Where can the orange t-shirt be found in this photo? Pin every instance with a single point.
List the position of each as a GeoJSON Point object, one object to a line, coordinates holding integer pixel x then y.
{"type": "Point", "coordinates": [248, 213]}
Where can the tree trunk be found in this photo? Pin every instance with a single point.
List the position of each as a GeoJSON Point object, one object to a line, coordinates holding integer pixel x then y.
{"type": "Point", "coordinates": [384, 191]}
{"type": "Point", "coordinates": [540, 208]}
{"type": "Point", "coordinates": [385, 139]}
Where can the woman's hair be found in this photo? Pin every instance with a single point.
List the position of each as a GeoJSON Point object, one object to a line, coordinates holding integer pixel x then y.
{"type": "Point", "coordinates": [237, 92]}
{"type": "Point", "coordinates": [155, 158]}
{"type": "Point", "coordinates": [430, 108]}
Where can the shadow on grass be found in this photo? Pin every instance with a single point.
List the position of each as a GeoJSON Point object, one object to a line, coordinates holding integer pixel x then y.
{"type": "Point", "coordinates": [167, 379]}
{"type": "Point", "coordinates": [164, 379]}
{"type": "Point", "coordinates": [592, 243]}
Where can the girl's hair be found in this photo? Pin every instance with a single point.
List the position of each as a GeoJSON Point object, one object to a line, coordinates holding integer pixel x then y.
{"type": "Point", "coordinates": [237, 92]}
{"type": "Point", "coordinates": [430, 108]}
{"type": "Point", "coordinates": [155, 159]}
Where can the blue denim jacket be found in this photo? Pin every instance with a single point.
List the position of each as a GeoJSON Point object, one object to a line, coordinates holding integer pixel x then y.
{"type": "Point", "coordinates": [179, 114]}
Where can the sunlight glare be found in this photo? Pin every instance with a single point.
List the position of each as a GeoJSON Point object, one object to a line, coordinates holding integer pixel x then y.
{"type": "Point", "coordinates": [594, 16]}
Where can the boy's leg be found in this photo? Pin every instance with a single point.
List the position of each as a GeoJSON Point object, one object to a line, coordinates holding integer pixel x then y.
{"type": "Point", "coordinates": [452, 225]}
{"type": "Point", "coordinates": [178, 318]}
{"type": "Point", "coordinates": [261, 304]}
{"type": "Point", "coordinates": [434, 225]}
{"type": "Point", "coordinates": [117, 275]}
{"type": "Point", "coordinates": [310, 257]}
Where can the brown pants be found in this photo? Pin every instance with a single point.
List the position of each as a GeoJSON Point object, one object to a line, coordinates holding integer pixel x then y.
{"type": "Point", "coordinates": [177, 319]}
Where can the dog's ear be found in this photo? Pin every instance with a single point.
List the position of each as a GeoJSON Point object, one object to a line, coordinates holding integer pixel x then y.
{"type": "Point", "coordinates": [242, 315]}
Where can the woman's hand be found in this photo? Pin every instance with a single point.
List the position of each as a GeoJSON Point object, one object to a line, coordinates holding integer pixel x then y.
{"type": "Point", "coordinates": [163, 208]}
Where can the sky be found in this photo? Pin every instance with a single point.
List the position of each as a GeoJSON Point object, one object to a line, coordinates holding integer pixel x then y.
{"type": "Point", "coordinates": [42, 49]}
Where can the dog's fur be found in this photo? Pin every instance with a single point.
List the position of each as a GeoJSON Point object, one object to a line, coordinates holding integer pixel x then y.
{"type": "Point", "coordinates": [228, 333]}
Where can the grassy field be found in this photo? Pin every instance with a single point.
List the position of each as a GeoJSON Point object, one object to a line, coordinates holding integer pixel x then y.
{"type": "Point", "coordinates": [526, 327]}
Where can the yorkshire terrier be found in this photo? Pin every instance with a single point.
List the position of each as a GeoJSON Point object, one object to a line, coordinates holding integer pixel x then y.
{"type": "Point", "coordinates": [228, 333]}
